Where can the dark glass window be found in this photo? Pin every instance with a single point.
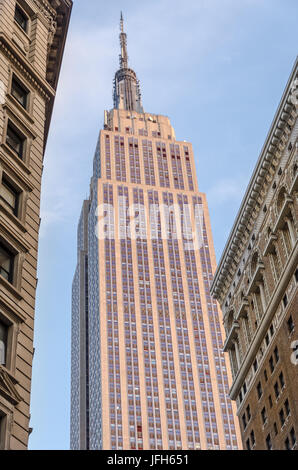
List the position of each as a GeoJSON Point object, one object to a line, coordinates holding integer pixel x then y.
{"type": "Point", "coordinates": [248, 412]}
{"type": "Point", "coordinates": [293, 436]}
{"type": "Point", "coordinates": [9, 196]}
{"type": "Point", "coordinates": [287, 444]}
{"type": "Point", "coordinates": [281, 380]}
{"type": "Point", "coordinates": [285, 300]}
{"type": "Point", "coordinates": [252, 437]}
{"type": "Point", "coordinates": [19, 92]}
{"type": "Point", "coordinates": [265, 375]}
{"type": "Point", "coordinates": [21, 18]}
{"type": "Point", "coordinates": [6, 263]}
{"type": "Point", "coordinates": [290, 324]}
{"type": "Point", "coordinates": [259, 390]}
{"type": "Point", "coordinates": [287, 407]}
{"type": "Point", "coordinates": [3, 343]}
{"type": "Point", "coordinates": [276, 354]}
{"type": "Point", "coordinates": [244, 421]}
{"type": "Point", "coordinates": [248, 444]}
{"type": "Point", "coordinates": [276, 389]}
{"type": "Point", "coordinates": [15, 140]}
{"type": "Point", "coordinates": [264, 415]}
{"type": "Point", "coordinates": [271, 330]}
{"type": "Point", "coordinates": [282, 417]}
{"type": "Point", "coordinates": [271, 364]}
{"type": "Point", "coordinates": [270, 401]}
{"type": "Point", "coordinates": [275, 429]}
{"type": "Point", "coordinates": [268, 442]}
{"type": "Point", "coordinates": [255, 365]}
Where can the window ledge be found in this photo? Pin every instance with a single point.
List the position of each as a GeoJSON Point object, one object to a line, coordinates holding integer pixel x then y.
{"type": "Point", "coordinates": [16, 158]}
{"type": "Point", "coordinates": [257, 276]}
{"type": "Point", "coordinates": [7, 285]}
{"type": "Point", "coordinates": [20, 108]}
{"type": "Point", "coordinates": [231, 335]}
{"type": "Point", "coordinates": [13, 218]}
{"type": "Point", "coordinates": [269, 248]}
{"type": "Point", "coordinates": [283, 213]}
{"type": "Point", "coordinates": [21, 30]}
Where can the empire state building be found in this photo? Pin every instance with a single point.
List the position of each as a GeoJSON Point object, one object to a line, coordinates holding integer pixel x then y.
{"type": "Point", "coordinates": [147, 367]}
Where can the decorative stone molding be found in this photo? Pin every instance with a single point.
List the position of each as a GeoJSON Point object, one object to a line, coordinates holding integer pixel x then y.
{"type": "Point", "coordinates": [7, 388]}
{"type": "Point", "coordinates": [270, 156]}
{"type": "Point", "coordinates": [42, 87]}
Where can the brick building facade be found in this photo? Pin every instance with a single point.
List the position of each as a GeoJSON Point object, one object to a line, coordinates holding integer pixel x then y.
{"type": "Point", "coordinates": [256, 284]}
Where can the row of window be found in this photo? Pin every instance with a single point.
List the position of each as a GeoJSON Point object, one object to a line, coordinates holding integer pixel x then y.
{"type": "Point", "coordinates": [289, 443]}
{"type": "Point", "coordinates": [290, 327]}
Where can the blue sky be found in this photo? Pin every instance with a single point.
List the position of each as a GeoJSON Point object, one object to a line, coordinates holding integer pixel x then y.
{"type": "Point", "coordinates": [217, 68]}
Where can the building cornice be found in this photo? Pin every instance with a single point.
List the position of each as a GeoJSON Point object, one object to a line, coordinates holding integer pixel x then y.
{"type": "Point", "coordinates": [270, 155]}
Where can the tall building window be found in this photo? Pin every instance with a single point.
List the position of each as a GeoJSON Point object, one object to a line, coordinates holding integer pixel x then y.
{"type": "Point", "coordinates": [252, 437]}
{"type": "Point", "coordinates": [248, 412]}
{"type": "Point", "coordinates": [290, 324]}
{"type": "Point", "coordinates": [287, 444]}
{"type": "Point", "coordinates": [244, 421]}
{"type": "Point", "coordinates": [6, 263]}
{"type": "Point", "coordinates": [271, 364]}
{"type": "Point", "coordinates": [3, 343]}
{"type": "Point", "coordinates": [276, 354]}
{"type": "Point", "coordinates": [276, 389]}
{"type": "Point", "coordinates": [264, 415]}
{"type": "Point", "coordinates": [21, 18]}
{"type": "Point", "coordinates": [287, 407]}
{"type": "Point", "coordinates": [19, 92]}
{"type": "Point", "coordinates": [281, 380]}
{"type": "Point", "coordinates": [282, 417]}
{"type": "Point", "coordinates": [15, 140]}
{"type": "Point", "coordinates": [9, 196]}
{"type": "Point", "coordinates": [259, 390]}
{"type": "Point", "coordinates": [268, 442]}
{"type": "Point", "coordinates": [293, 437]}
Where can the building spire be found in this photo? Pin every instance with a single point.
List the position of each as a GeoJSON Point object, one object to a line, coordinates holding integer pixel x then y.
{"type": "Point", "coordinates": [126, 85]}
{"type": "Point", "coordinates": [123, 44]}
{"type": "Point", "coordinates": [121, 23]}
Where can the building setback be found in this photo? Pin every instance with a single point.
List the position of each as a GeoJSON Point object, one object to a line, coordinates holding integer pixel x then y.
{"type": "Point", "coordinates": [256, 284]}
{"type": "Point", "coordinates": [32, 37]}
{"type": "Point", "coordinates": [148, 371]}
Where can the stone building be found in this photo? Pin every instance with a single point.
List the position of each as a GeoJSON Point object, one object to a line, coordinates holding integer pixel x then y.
{"type": "Point", "coordinates": [32, 38]}
{"type": "Point", "coordinates": [256, 284]}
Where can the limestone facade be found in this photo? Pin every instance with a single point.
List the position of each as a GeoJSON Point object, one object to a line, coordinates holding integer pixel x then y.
{"type": "Point", "coordinates": [32, 37]}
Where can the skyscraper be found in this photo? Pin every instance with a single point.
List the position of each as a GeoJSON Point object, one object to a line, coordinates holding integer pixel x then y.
{"type": "Point", "coordinates": [32, 38]}
{"type": "Point", "coordinates": [148, 370]}
{"type": "Point", "coordinates": [257, 286]}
